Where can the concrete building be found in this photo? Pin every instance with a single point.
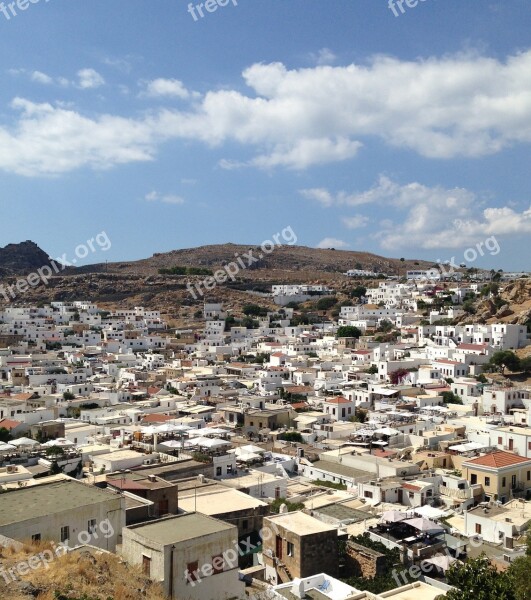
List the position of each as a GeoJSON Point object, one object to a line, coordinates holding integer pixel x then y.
{"type": "Point", "coordinates": [297, 545]}
{"type": "Point", "coordinates": [63, 510]}
{"type": "Point", "coordinates": [503, 475]}
{"type": "Point", "coordinates": [188, 554]}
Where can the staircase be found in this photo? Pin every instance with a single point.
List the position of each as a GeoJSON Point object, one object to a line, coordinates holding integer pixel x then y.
{"type": "Point", "coordinates": [281, 568]}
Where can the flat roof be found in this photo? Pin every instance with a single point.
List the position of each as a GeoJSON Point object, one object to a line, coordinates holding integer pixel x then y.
{"type": "Point", "coordinates": [217, 501]}
{"type": "Point", "coordinates": [180, 528]}
{"type": "Point", "coordinates": [414, 591]}
{"type": "Point", "coordinates": [28, 503]}
{"type": "Point", "coordinates": [301, 523]}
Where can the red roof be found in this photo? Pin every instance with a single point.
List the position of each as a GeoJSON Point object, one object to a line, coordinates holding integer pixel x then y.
{"type": "Point", "coordinates": [278, 354]}
{"type": "Point", "coordinates": [338, 400]}
{"type": "Point", "coordinates": [9, 424]}
{"type": "Point", "coordinates": [297, 405]}
{"type": "Point", "coordinates": [498, 460]}
{"type": "Point", "coordinates": [409, 486]}
{"type": "Point", "coordinates": [472, 346]}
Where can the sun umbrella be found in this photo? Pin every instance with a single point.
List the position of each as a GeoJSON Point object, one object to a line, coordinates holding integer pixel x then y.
{"type": "Point", "coordinates": [166, 428]}
{"type": "Point", "coordinates": [393, 516]}
{"type": "Point", "coordinates": [24, 441]}
{"type": "Point", "coordinates": [171, 444]}
{"type": "Point", "coordinates": [250, 448]}
{"type": "Point", "coordinates": [150, 430]}
{"type": "Point", "coordinates": [443, 562]}
{"type": "Point", "coordinates": [387, 431]}
{"type": "Point", "coordinates": [424, 525]}
{"type": "Point", "coordinates": [6, 447]}
{"type": "Point", "coordinates": [61, 442]}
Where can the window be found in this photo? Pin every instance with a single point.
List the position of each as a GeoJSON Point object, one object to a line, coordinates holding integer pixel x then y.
{"type": "Point", "coordinates": [500, 442]}
{"type": "Point", "coordinates": [91, 526]}
{"type": "Point", "coordinates": [291, 549]}
{"type": "Point", "coordinates": [245, 524]}
{"type": "Point", "coordinates": [487, 480]}
{"type": "Point", "coordinates": [36, 537]}
{"type": "Point", "coordinates": [65, 533]}
{"type": "Point", "coordinates": [191, 569]}
{"type": "Point", "coordinates": [529, 476]}
{"type": "Point", "coordinates": [367, 494]}
{"type": "Point", "coordinates": [218, 564]}
{"type": "Point", "coordinates": [513, 481]}
{"type": "Point", "coordinates": [529, 445]}
{"type": "Point", "coordinates": [473, 479]}
{"type": "Point", "coordinates": [504, 481]}
{"type": "Point", "coordinates": [218, 471]}
{"type": "Point", "coordinates": [411, 494]}
{"type": "Point", "coordinates": [478, 528]}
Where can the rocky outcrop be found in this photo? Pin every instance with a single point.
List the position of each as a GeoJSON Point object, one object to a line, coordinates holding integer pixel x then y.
{"type": "Point", "coordinates": [18, 259]}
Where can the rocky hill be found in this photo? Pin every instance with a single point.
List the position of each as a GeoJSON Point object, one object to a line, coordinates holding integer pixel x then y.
{"type": "Point", "coordinates": [17, 259]}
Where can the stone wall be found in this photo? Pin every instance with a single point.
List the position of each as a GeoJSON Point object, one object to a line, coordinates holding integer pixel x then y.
{"type": "Point", "coordinates": [364, 562]}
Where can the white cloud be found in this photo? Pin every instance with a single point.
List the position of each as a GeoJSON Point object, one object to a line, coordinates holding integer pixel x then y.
{"type": "Point", "coordinates": [164, 198]}
{"type": "Point", "coordinates": [355, 222]}
{"type": "Point", "coordinates": [41, 78]}
{"type": "Point", "coordinates": [170, 88]}
{"type": "Point", "coordinates": [89, 79]}
{"type": "Point", "coordinates": [438, 217]}
{"type": "Point", "coordinates": [325, 56]}
{"type": "Point", "coordinates": [321, 195]}
{"type": "Point", "coordinates": [332, 243]}
{"type": "Point", "coordinates": [465, 105]}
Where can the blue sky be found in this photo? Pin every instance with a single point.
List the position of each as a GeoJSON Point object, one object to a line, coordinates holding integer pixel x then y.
{"type": "Point", "coordinates": [403, 136]}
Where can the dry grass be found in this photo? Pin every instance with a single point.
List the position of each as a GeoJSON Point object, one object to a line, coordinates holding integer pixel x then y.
{"type": "Point", "coordinates": [82, 575]}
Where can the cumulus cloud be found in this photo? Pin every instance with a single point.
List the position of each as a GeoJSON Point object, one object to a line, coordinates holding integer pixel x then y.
{"type": "Point", "coordinates": [331, 242]}
{"type": "Point", "coordinates": [438, 217]}
{"type": "Point", "coordinates": [155, 196]}
{"type": "Point", "coordinates": [453, 106]}
{"type": "Point", "coordinates": [355, 222]}
{"type": "Point", "coordinates": [169, 88]}
{"type": "Point", "coordinates": [40, 77]}
{"type": "Point", "coordinates": [89, 79]}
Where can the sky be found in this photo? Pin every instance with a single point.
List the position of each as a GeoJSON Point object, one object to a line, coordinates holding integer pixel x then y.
{"type": "Point", "coordinates": [361, 125]}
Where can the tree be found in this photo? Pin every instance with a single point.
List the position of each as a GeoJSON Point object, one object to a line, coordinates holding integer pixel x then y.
{"type": "Point", "coordinates": [5, 435]}
{"type": "Point", "coordinates": [451, 398]}
{"type": "Point", "coordinates": [478, 579]}
{"type": "Point", "coordinates": [68, 396]}
{"type": "Point", "coordinates": [372, 370]}
{"type": "Point", "coordinates": [385, 326]}
{"type": "Point", "coordinates": [519, 571]}
{"type": "Point", "coordinates": [504, 359]}
{"type": "Point", "coordinates": [348, 331]}
{"type": "Point", "coordinates": [358, 291]}
{"type": "Point", "coordinates": [253, 310]}
{"type": "Point", "coordinates": [525, 364]}
{"type": "Point", "coordinates": [469, 307]}
{"type": "Point", "coordinates": [326, 303]}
